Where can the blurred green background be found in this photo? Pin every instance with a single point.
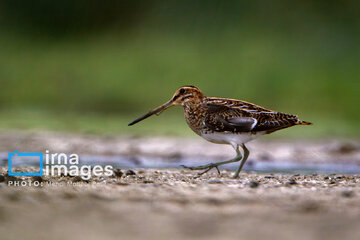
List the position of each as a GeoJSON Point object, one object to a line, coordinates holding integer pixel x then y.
{"type": "Point", "coordinates": [93, 66]}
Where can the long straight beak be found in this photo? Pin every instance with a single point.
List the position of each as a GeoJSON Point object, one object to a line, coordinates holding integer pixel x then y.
{"type": "Point", "coordinates": [157, 111]}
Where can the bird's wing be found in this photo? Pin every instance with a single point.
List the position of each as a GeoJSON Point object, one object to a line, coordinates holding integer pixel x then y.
{"type": "Point", "coordinates": [238, 104]}
{"type": "Point", "coordinates": [221, 118]}
{"type": "Point", "coordinates": [234, 119]}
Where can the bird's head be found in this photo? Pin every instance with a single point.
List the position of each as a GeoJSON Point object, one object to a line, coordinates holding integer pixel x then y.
{"type": "Point", "coordinates": [182, 96]}
{"type": "Point", "coordinates": [187, 94]}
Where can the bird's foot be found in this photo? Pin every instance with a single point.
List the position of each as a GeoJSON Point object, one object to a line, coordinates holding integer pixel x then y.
{"type": "Point", "coordinates": [206, 168]}
{"type": "Point", "coordinates": [236, 175]}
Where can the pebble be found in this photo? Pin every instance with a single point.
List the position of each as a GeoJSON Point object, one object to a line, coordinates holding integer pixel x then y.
{"type": "Point", "coordinates": [79, 179]}
{"type": "Point", "coordinates": [291, 181]}
{"type": "Point", "coordinates": [11, 178]}
{"type": "Point", "coordinates": [37, 179]}
{"type": "Point", "coordinates": [122, 184]}
{"type": "Point", "coordinates": [130, 172]}
{"type": "Point", "coordinates": [268, 177]}
{"type": "Point", "coordinates": [253, 184]}
{"type": "Point", "coordinates": [346, 148]}
{"type": "Point", "coordinates": [118, 172]}
{"type": "Point", "coordinates": [214, 181]}
{"type": "Point", "coordinates": [148, 181]}
{"type": "Point", "coordinates": [69, 195]}
{"type": "Point", "coordinates": [14, 196]}
{"type": "Point", "coordinates": [347, 193]}
{"type": "Point", "coordinates": [98, 196]}
{"type": "Point", "coordinates": [310, 206]}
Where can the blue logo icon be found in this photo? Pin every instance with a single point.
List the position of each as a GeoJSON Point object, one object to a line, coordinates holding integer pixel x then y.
{"type": "Point", "coordinates": [16, 154]}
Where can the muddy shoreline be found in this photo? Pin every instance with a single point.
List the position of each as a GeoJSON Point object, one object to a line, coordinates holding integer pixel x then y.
{"type": "Point", "coordinates": [343, 151]}
{"type": "Point", "coordinates": [171, 203]}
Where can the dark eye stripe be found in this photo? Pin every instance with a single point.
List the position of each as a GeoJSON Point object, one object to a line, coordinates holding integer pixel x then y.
{"type": "Point", "coordinates": [186, 96]}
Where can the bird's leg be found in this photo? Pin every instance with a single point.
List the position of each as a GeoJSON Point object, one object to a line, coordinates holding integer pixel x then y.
{"type": "Point", "coordinates": [210, 166]}
{"type": "Point", "coordinates": [246, 155]}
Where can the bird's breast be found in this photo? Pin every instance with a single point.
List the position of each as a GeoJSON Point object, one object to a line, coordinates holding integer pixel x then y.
{"type": "Point", "coordinates": [194, 117]}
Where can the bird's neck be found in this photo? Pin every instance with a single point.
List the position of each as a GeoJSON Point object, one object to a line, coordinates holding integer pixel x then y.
{"type": "Point", "coordinates": [194, 115]}
{"type": "Point", "coordinates": [191, 105]}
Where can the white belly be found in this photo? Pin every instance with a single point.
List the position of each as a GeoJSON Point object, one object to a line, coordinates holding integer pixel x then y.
{"type": "Point", "coordinates": [231, 138]}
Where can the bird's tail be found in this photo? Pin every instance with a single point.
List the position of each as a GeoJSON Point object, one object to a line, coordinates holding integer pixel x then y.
{"type": "Point", "coordinates": [303, 123]}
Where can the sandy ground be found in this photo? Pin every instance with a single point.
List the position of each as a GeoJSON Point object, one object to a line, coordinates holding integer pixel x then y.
{"type": "Point", "coordinates": [172, 204]}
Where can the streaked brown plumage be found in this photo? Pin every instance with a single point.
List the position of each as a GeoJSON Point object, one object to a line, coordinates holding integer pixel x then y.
{"type": "Point", "coordinates": [227, 121]}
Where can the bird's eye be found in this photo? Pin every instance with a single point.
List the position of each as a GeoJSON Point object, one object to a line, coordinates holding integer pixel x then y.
{"type": "Point", "coordinates": [182, 90]}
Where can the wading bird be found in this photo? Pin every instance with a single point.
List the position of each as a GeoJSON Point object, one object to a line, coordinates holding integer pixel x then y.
{"type": "Point", "coordinates": [225, 121]}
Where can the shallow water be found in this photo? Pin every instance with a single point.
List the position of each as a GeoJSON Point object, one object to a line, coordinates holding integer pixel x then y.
{"type": "Point", "coordinates": [156, 162]}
